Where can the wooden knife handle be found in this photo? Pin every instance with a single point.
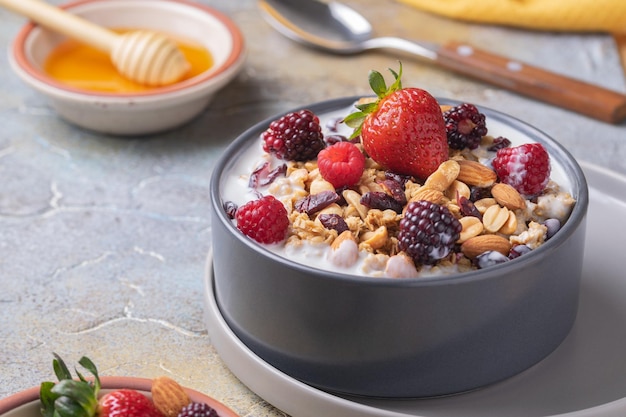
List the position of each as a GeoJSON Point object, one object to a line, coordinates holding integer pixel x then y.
{"type": "Point", "coordinates": [581, 97]}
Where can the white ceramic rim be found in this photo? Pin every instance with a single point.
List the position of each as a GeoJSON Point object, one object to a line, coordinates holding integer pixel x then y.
{"type": "Point", "coordinates": [212, 79]}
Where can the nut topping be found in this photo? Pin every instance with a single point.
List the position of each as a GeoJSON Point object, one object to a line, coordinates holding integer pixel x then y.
{"type": "Point", "coordinates": [508, 197]}
{"type": "Point", "coordinates": [483, 243]}
{"type": "Point", "coordinates": [475, 173]}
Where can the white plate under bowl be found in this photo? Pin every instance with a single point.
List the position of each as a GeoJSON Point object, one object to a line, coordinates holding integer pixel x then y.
{"type": "Point", "coordinates": [584, 377]}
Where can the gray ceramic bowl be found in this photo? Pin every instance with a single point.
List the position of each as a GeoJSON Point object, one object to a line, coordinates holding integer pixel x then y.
{"type": "Point", "coordinates": [414, 337]}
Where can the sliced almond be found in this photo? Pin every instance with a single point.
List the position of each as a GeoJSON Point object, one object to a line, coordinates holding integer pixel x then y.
{"type": "Point", "coordinates": [507, 196]}
{"type": "Point", "coordinates": [475, 173]}
{"type": "Point", "coordinates": [168, 396]}
{"type": "Point", "coordinates": [483, 243]}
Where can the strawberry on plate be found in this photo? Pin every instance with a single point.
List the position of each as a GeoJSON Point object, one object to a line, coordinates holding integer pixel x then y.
{"type": "Point", "coordinates": [126, 403]}
{"type": "Point", "coordinates": [403, 130]}
{"type": "Point", "coordinates": [83, 397]}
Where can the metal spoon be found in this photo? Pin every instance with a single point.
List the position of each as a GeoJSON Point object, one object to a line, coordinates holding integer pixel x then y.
{"type": "Point", "coordinates": [142, 56]}
{"type": "Point", "coordinates": [334, 27]}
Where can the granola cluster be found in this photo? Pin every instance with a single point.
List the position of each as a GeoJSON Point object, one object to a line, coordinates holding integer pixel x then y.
{"type": "Point", "coordinates": [495, 218]}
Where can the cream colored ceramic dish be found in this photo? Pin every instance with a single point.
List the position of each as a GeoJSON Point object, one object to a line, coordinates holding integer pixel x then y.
{"type": "Point", "coordinates": [26, 403]}
{"type": "Point", "coordinates": [137, 113]}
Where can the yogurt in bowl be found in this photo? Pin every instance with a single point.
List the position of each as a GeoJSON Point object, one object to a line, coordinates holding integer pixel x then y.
{"type": "Point", "coordinates": [373, 248]}
{"type": "Point", "coordinates": [445, 330]}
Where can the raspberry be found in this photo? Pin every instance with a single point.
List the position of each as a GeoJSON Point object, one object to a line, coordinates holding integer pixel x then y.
{"type": "Point", "coordinates": [341, 164]}
{"type": "Point", "coordinates": [465, 126]}
{"type": "Point", "coordinates": [526, 167]}
{"type": "Point", "coordinates": [264, 220]}
{"type": "Point", "coordinates": [428, 232]}
{"type": "Point", "coordinates": [195, 409]}
{"type": "Point", "coordinates": [296, 136]}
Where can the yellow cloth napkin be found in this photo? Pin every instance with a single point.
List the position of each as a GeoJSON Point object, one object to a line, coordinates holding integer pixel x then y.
{"type": "Point", "coordinates": [558, 15]}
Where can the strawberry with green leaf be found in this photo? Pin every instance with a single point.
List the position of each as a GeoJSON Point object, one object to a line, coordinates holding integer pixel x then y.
{"type": "Point", "coordinates": [81, 397]}
{"type": "Point", "coordinates": [403, 130]}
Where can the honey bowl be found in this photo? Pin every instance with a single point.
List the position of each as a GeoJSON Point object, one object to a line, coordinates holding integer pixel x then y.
{"type": "Point", "coordinates": [135, 111]}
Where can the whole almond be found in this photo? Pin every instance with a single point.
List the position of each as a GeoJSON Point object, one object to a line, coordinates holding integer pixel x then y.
{"type": "Point", "coordinates": [507, 196]}
{"type": "Point", "coordinates": [428, 194]}
{"type": "Point", "coordinates": [475, 173]}
{"type": "Point", "coordinates": [483, 243]}
{"type": "Point", "coordinates": [168, 396]}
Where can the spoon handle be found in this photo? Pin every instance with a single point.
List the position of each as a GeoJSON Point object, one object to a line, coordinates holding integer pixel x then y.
{"type": "Point", "coordinates": [64, 22]}
{"type": "Point", "coordinates": [569, 93]}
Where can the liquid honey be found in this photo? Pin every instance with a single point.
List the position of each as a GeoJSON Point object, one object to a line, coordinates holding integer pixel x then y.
{"type": "Point", "coordinates": [86, 68]}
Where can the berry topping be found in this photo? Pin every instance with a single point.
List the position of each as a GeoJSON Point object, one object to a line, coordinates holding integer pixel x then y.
{"type": "Point", "coordinates": [552, 226]}
{"type": "Point", "coordinates": [296, 136]}
{"type": "Point", "coordinates": [80, 397]}
{"type": "Point", "coordinates": [313, 203]}
{"type": "Point", "coordinates": [381, 201]}
{"type": "Point", "coordinates": [428, 232]}
{"type": "Point", "coordinates": [465, 126]}
{"type": "Point", "coordinates": [127, 403]}
{"type": "Point", "coordinates": [489, 258]}
{"type": "Point", "coordinates": [403, 130]}
{"type": "Point", "coordinates": [334, 222]}
{"type": "Point", "coordinates": [499, 143]}
{"type": "Point", "coordinates": [341, 164]}
{"type": "Point", "coordinates": [198, 410]}
{"type": "Point", "coordinates": [264, 220]}
{"type": "Point", "coordinates": [526, 167]}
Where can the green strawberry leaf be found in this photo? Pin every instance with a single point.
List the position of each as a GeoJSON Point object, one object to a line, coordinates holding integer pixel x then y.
{"type": "Point", "coordinates": [75, 394]}
{"type": "Point", "coordinates": [355, 119]}
{"type": "Point", "coordinates": [47, 398]}
{"type": "Point", "coordinates": [60, 369]}
{"type": "Point", "coordinates": [377, 83]}
{"type": "Point", "coordinates": [67, 407]}
{"type": "Point", "coordinates": [367, 108]}
{"type": "Point", "coordinates": [70, 397]}
{"type": "Point", "coordinates": [397, 85]}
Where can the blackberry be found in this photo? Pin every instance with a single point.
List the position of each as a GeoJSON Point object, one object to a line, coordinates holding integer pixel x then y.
{"type": "Point", "coordinates": [465, 126]}
{"type": "Point", "coordinates": [428, 232]}
{"type": "Point", "coordinates": [195, 409]}
{"type": "Point", "coordinates": [297, 136]}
